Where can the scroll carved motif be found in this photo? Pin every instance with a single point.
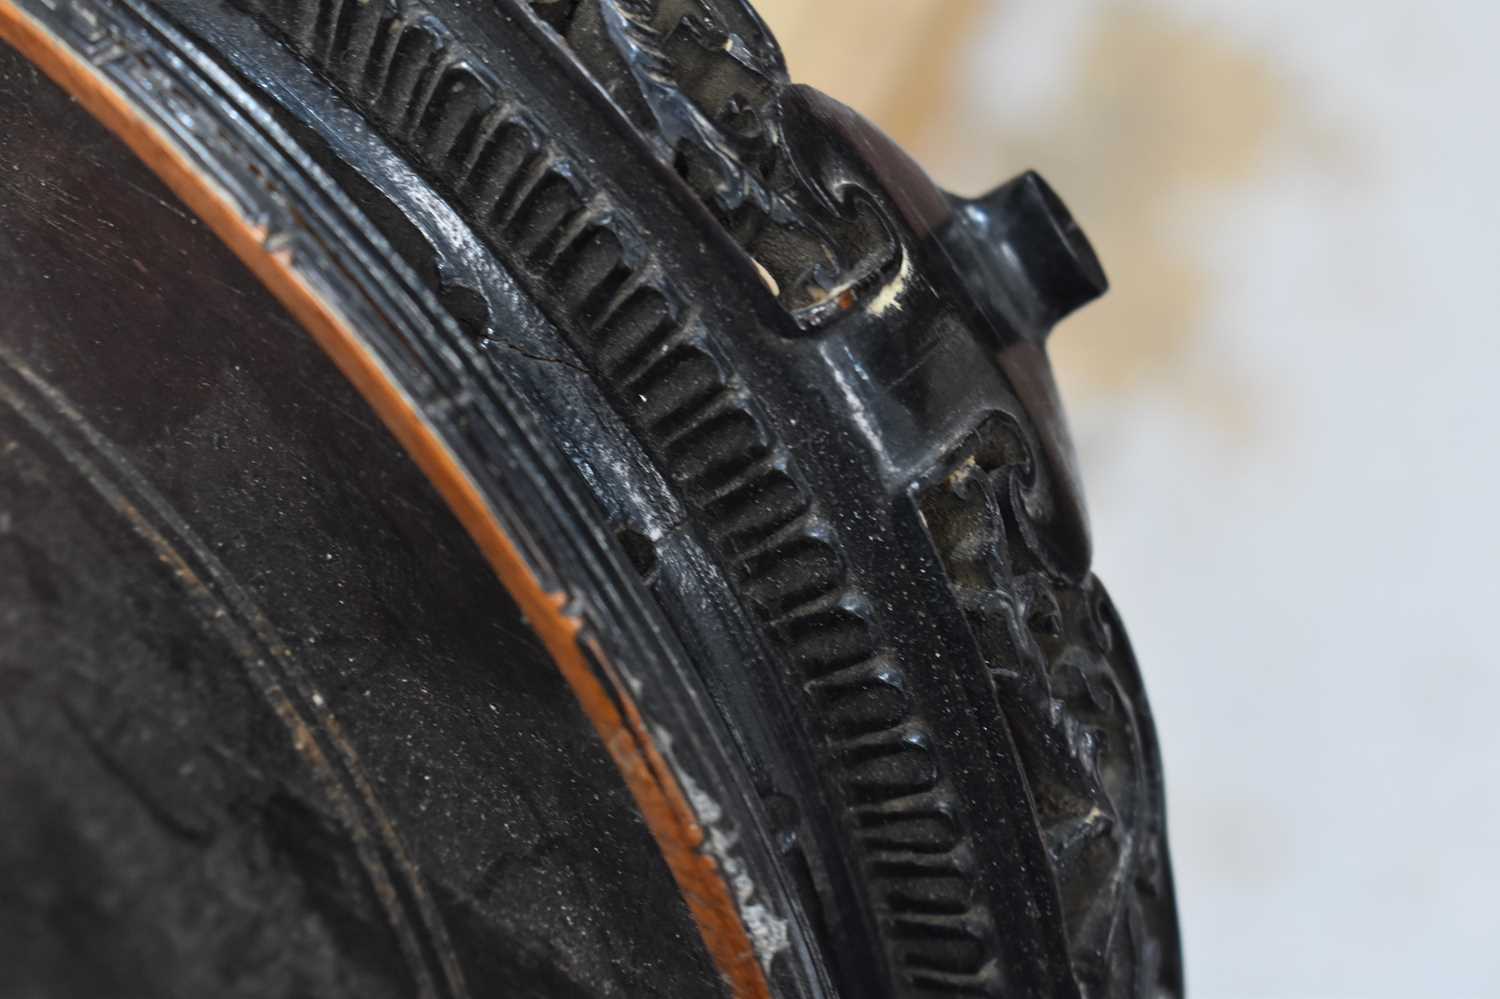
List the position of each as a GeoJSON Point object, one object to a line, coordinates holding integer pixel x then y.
{"type": "Point", "coordinates": [708, 83]}
{"type": "Point", "coordinates": [1067, 683]}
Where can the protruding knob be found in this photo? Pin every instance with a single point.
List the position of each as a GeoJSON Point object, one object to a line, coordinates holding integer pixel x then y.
{"type": "Point", "coordinates": [1034, 249]}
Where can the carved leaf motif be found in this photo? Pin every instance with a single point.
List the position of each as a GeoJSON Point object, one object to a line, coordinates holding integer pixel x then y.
{"type": "Point", "coordinates": [1068, 686]}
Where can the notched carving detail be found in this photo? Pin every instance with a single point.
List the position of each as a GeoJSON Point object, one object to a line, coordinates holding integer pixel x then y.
{"type": "Point", "coordinates": [579, 254]}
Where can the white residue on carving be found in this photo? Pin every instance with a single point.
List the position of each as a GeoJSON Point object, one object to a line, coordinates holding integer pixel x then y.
{"type": "Point", "coordinates": [767, 931]}
{"type": "Point", "coordinates": [890, 296]}
{"type": "Point", "coordinates": [765, 276]}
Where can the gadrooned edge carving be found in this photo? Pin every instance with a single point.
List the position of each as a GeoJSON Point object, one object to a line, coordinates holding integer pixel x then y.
{"type": "Point", "coordinates": [432, 97]}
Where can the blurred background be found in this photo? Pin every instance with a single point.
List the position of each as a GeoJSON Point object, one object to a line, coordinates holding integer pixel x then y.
{"type": "Point", "coordinates": [1285, 415]}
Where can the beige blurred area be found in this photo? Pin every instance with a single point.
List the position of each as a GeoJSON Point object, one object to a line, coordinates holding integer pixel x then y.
{"type": "Point", "coordinates": [1286, 415]}
{"type": "Point", "coordinates": [1148, 108]}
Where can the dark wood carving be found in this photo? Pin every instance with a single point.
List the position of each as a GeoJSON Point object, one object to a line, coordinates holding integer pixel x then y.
{"type": "Point", "coordinates": [941, 777]}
